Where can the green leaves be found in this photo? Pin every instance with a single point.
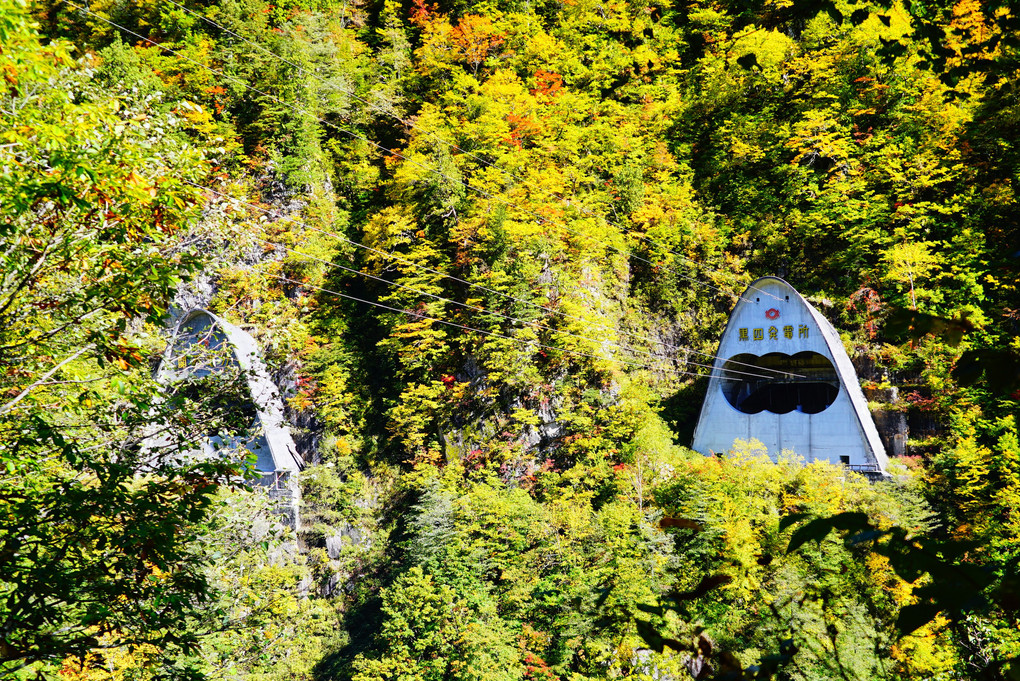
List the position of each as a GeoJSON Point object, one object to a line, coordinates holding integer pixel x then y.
{"type": "Point", "coordinates": [998, 367]}
{"type": "Point", "coordinates": [819, 528]}
{"type": "Point", "coordinates": [97, 522]}
{"type": "Point", "coordinates": [956, 586]}
{"type": "Point", "coordinates": [854, 147]}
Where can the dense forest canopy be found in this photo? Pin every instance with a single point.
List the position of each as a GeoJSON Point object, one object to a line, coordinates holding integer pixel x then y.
{"type": "Point", "coordinates": [488, 250]}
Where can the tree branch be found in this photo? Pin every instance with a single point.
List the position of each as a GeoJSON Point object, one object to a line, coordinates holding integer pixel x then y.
{"type": "Point", "coordinates": [42, 379]}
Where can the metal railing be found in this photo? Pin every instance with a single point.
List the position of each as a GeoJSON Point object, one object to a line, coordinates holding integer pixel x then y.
{"type": "Point", "coordinates": [862, 467]}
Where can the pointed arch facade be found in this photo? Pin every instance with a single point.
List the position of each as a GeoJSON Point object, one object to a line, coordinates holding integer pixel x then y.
{"type": "Point", "coordinates": [783, 377]}
{"type": "Point", "coordinates": [203, 344]}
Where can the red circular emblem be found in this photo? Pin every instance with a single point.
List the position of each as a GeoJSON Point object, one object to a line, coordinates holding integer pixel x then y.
{"type": "Point", "coordinates": [772, 313]}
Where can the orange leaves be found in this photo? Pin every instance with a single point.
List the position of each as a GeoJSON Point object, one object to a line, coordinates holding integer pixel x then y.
{"type": "Point", "coordinates": [10, 74]}
{"type": "Point", "coordinates": [122, 354]}
{"type": "Point", "coordinates": [307, 391]}
{"type": "Point", "coordinates": [470, 42]}
{"type": "Point", "coordinates": [522, 128]}
{"type": "Point", "coordinates": [475, 37]}
{"type": "Point", "coordinates": [548, 84]}
{"type": "Point", "coordinates": [218, 95]}
{"type": "Point", "coordinates": [969, 23]}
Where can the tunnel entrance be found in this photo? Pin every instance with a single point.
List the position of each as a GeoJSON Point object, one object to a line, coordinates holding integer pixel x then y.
{"type": "Point", "coordinates": [811, 389]}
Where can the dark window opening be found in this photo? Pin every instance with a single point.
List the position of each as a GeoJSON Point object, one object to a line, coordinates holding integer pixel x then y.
{"type": "Point", "coordinates": [201, 347]}
{"type": "Point", "coordinates": [809, 385]}
{"type": "Point", "coordinates": [844, 460]}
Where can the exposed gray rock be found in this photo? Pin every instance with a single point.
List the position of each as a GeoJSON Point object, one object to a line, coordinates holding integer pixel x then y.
{"type": "Point", "coordinates": [347, 535]}
{"type": "Point", "coordinates": [893, 429]}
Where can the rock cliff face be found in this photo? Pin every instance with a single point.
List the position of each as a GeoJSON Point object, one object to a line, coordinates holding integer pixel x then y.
{"type": "Point", "coordinates": [195, 294]}
{"type": "Point", "coordinates": [890, 419]}
{"type": "Point", "coordinates": [901, 407]}
{"type": "Point", "coordinates": [305, 427]}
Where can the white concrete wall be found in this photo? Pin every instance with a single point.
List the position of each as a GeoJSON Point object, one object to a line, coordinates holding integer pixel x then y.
{"type": "Point", "coordinates": [282, 452]}
{"type": "Point", "coordinates": [845, 428]}
{"type": "Point", "coordinates": [278, 459]}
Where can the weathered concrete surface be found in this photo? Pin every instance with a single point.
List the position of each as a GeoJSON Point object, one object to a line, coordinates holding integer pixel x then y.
{"type": "Point", "coordinates": [203, 343]}
{"type": "Point", "coordinates": [773, 321]}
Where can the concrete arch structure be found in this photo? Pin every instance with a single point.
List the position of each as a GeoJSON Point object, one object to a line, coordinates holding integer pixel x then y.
{"type": "Point", "coordinates": [202, 344]}
{"type": "Point", "coordinates": [816, 409]}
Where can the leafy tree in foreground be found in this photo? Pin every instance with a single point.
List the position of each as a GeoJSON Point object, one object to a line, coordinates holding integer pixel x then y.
{"type": "Point", "coordinates": [95, 526]}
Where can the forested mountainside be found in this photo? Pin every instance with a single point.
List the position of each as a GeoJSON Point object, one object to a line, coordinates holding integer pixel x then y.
{"type": "Point", "coordinates": [488, 250]}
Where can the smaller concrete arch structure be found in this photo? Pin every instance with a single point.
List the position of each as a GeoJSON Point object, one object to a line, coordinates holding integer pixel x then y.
{"type": "Point", "coordinates": [782, 376]}
{"type": "Point", "coordinates": [202, 344]}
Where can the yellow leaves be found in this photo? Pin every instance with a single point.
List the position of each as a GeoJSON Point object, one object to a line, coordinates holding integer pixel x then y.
{"type": "Point", "coordinates": [200, 120]}
{"type": "Point", "coordinates": [108, 664]}
{"type": "Point", "coordinates": [746, 152]}
{"type": "Point", "coordinates": [648, 214]}
{"type": "Point", "coordinates": [506, 88]}
{"type": "Point", "coordinates": [909, 261]}
{"type": "Point", "coordinates": [873, 29]}
{"type": "Point", "coordinates": [971, 468]}
{"type": "Point", "coordinates": [137, 187]}
{"type": "Point", "coordinates": [386, 229]}
{"type": "Point", "coordinates": [770, 48]}
{"type": "Point", "coordinates": [135, 180]}
{"type": "Point", "coordinates": [410, 420]}
{"type": "Point", "coordinates": [822, 142]}
{"type": "Point", "coordinates": [526, 417]}
{"type": "Point", "coordinates": [471, 41]}
{"type": "Point", "coordinates": [542, 48]}
{"type": "Point", "coordinates": [926, 653]}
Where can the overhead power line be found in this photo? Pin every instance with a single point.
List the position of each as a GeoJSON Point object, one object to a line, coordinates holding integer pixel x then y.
{"type": "Point", "coordinates": [552, 311]}
{"type": "Point", "coordinates": [483, 310]}
{"type": "Point", "coordinates": [364, 139]}
{"type": "Point", "coordinates": [464, 327]}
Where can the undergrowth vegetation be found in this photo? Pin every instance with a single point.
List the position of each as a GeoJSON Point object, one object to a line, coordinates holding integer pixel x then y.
{"type": "Point", "coordinates": [484, 248]}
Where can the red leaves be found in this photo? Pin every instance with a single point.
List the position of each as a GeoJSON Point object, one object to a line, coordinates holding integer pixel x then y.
{"type": "Point", "coordinates": [537, 668]}
{"type": "Point", "coordinates": [872, 303]}
{"type": "Point", "coordinates": [522, 128]}
{"type": "Point", "coordinates": [474, 460]}
{"type": "Point", "coordinates": [547, 84]}
{"type": "Point", "coordinates": [920, 401]}
{"type": "Point", "coordinates": [421, 13]}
